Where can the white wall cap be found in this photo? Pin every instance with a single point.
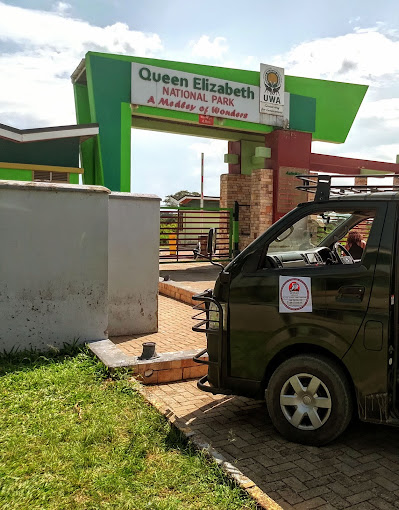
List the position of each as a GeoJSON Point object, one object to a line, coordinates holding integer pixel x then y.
{"type": "Point", "coordinates": [134, 196]}
{"type": "Point", "coordinates": [52, 186]}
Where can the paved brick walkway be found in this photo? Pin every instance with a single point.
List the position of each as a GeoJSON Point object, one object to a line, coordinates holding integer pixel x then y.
{"type": "Point", "coordinates": [359, 471]}
{"type": "Point", "coordinates": [174, 332]}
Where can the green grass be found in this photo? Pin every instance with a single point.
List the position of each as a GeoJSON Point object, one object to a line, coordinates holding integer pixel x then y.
{"type": "Point", "coordinates": [71, 437]}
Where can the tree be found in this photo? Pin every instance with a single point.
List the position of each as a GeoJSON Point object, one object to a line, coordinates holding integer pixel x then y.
{"type": "Point", "coordinates": [170, 200]}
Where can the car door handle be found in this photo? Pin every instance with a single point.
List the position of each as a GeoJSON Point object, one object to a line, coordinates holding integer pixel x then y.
{"type": "Point", "coordinates": [351, 294]}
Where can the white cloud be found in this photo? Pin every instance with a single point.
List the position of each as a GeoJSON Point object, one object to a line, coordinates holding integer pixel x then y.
{"type": "Point", "coordinates": [62, 8]}
{"type": "Point", "coordinates": [204, 47]}
{"type": "Point", "coordinates": [383, 109]}
{"type": "Point", "coordinates": [353, 20]}
{"type": "Point", "coordinates": [387, 152]}
{"type": "Point", "coordinates": [365, 56]}
{"type": "Point", "coordinates": [42, 29]}
{"type": "Point", "coordinates": [35, 87]}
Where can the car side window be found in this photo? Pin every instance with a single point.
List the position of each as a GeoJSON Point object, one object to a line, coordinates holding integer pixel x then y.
{"type": "Point", "coordinates": [322, 238]}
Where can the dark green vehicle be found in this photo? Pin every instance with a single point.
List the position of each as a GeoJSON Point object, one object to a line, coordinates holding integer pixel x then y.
{"type": "Point", "coordinates": [309, 318]}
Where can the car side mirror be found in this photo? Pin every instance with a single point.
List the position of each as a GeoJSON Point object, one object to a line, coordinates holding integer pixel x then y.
{"type": "Point", "coordinates": [210, 248]}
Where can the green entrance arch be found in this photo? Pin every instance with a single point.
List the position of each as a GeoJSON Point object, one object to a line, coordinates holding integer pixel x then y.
{"type": "Point", "coordinates": [120, 92]}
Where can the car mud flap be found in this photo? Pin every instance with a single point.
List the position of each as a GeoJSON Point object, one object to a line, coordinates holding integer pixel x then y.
{"type": "Point", "coordinates": [373, 407]}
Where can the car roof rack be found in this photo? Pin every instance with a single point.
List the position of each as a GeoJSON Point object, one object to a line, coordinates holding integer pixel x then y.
{"type": "Point", "coordinates": [322, 187]}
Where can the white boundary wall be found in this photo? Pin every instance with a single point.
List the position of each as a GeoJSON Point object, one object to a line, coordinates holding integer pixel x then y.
{"type": "Point", "coordinates": [133, 263]}
{"type": "Point", "coordinates": [53, 264]}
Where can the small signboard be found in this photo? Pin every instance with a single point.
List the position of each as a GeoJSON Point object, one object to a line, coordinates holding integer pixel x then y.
{"type": "Point", "coordinates": [271, 90]}
{"type": "Point", "coordinates": [205, 119]}
{"type": "Point", "coordinates": [295, 294]}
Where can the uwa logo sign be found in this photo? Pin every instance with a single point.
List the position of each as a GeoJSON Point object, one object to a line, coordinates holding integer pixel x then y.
{"type": "Point", "coordinates": [271, 90]}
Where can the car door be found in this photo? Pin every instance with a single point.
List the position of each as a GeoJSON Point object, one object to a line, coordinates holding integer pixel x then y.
{"type": "Point", "coordinates": [348, 292]}
{"type": "Point", "coordinates": [260, 325]}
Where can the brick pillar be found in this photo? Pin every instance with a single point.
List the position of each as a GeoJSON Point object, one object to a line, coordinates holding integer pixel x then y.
{"type": "Point", "coordinates": [261, 201]}
{"type": "Point", "coordinates": [361, 181]}
{"type": "Point", "coordinates": [237, 187]}
{"type": "Point", "coordinates": [270, 192]}
{"type": "Point", "coordinates": [290, 157]}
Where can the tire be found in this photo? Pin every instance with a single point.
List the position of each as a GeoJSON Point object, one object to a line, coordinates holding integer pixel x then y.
{"type": "Point", "coordinates": [309, 400]}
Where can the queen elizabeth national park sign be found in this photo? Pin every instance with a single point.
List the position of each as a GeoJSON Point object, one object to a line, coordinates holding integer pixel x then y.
{"type": "Point", "coordinates": [202, 95]}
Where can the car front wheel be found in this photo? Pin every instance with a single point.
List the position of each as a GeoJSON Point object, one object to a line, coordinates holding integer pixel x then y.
{"type": "Point", "coordinates": [309, 399]}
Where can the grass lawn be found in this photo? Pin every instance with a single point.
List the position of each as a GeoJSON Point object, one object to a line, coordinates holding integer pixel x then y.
{"type": "Point", "coordinates": [70, 437]}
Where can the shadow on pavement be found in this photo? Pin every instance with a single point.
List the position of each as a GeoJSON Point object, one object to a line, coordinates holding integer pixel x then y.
{"type": "Point", "coordinates": [204, 273]}
{"type": "Point", "coordinates": [359, 470]}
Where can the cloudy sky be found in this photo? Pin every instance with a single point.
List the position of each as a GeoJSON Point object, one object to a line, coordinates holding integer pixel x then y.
{"type": "Point", "coordinates": [42, 42]}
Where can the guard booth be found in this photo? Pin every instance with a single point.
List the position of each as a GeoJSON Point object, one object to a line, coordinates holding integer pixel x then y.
{"type": "Point", "coordinates": [43, 154]}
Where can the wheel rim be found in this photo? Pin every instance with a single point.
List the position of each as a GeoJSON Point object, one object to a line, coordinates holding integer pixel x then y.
{"type": "Point", "coordinates": [305, 402]}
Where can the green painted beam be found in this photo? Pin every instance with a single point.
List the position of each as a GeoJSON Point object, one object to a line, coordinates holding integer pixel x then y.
{"type": "Point", "coordinates": [15, 175]}
{"type": "Point", "coordinates": [337, 104]}
{"type": "Point", "coordinates": [303, 113]}
{"type": "Point", "coordinates": [126, 129]}
{"type": "Point", "coordinates": [263, 152]}
{"type": "Point", "coordinates": [369, 171]}
{"type": "Point", "coordinates": [231, 159]}
{"type": "Point", "coordinates": [87, 148]}
{"type": "Point", "coordinates": [228, 124]}
{"type": "Point", "coordinates": [156, 124]}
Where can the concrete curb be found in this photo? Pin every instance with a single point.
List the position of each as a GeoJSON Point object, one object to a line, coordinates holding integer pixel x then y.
{"type": "Point", "coordinates": [110, 355]}
{"type": "Point", "coordinates": [176, 290]}
{"type": "Point", "coordinates": [165, 368]}
{"type": "Point", "coordinates": [261, 498]}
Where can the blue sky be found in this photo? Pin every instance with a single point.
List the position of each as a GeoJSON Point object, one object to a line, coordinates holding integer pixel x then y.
{"type": "Point", "coordinates": [355, 41]}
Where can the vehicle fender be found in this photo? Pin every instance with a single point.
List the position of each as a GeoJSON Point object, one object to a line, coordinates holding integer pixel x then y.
{"type": "Point", "coordinates": [305, 334]}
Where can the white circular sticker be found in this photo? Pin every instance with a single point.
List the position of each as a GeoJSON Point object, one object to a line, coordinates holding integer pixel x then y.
{"type": "Point", "coordinates": [294, 294]}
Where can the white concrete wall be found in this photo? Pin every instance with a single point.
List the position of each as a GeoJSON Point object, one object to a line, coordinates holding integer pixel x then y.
{"type": "Point", "coordinates": [133, 263]}
{"type": "Point", "coordinates": [53, 264]}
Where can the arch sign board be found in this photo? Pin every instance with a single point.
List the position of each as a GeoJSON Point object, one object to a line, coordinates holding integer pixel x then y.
{"type": "Point", "coordinates": [212, 97]}
{"type": "Point", "coordinates": [120, 92]}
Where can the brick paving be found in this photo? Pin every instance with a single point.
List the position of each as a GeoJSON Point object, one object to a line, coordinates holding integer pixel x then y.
{"type": "Point", "coordinates": [174, 332]}
{"type": "Point", "coordinates": [359, 471]}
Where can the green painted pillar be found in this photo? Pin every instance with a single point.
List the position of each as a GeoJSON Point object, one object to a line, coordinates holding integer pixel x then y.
{"type": "Point", "coordinates": [90, 146]}
{"type": "Point", "coordinates": [109, 87]}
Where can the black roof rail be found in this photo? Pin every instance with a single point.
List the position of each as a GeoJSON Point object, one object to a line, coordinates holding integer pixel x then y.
{"type": "Point", "coordinates": [322, 187]}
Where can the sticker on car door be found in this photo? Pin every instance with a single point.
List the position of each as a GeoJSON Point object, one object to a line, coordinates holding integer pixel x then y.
{"type": "Point", "coordinates": [295, 294]}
